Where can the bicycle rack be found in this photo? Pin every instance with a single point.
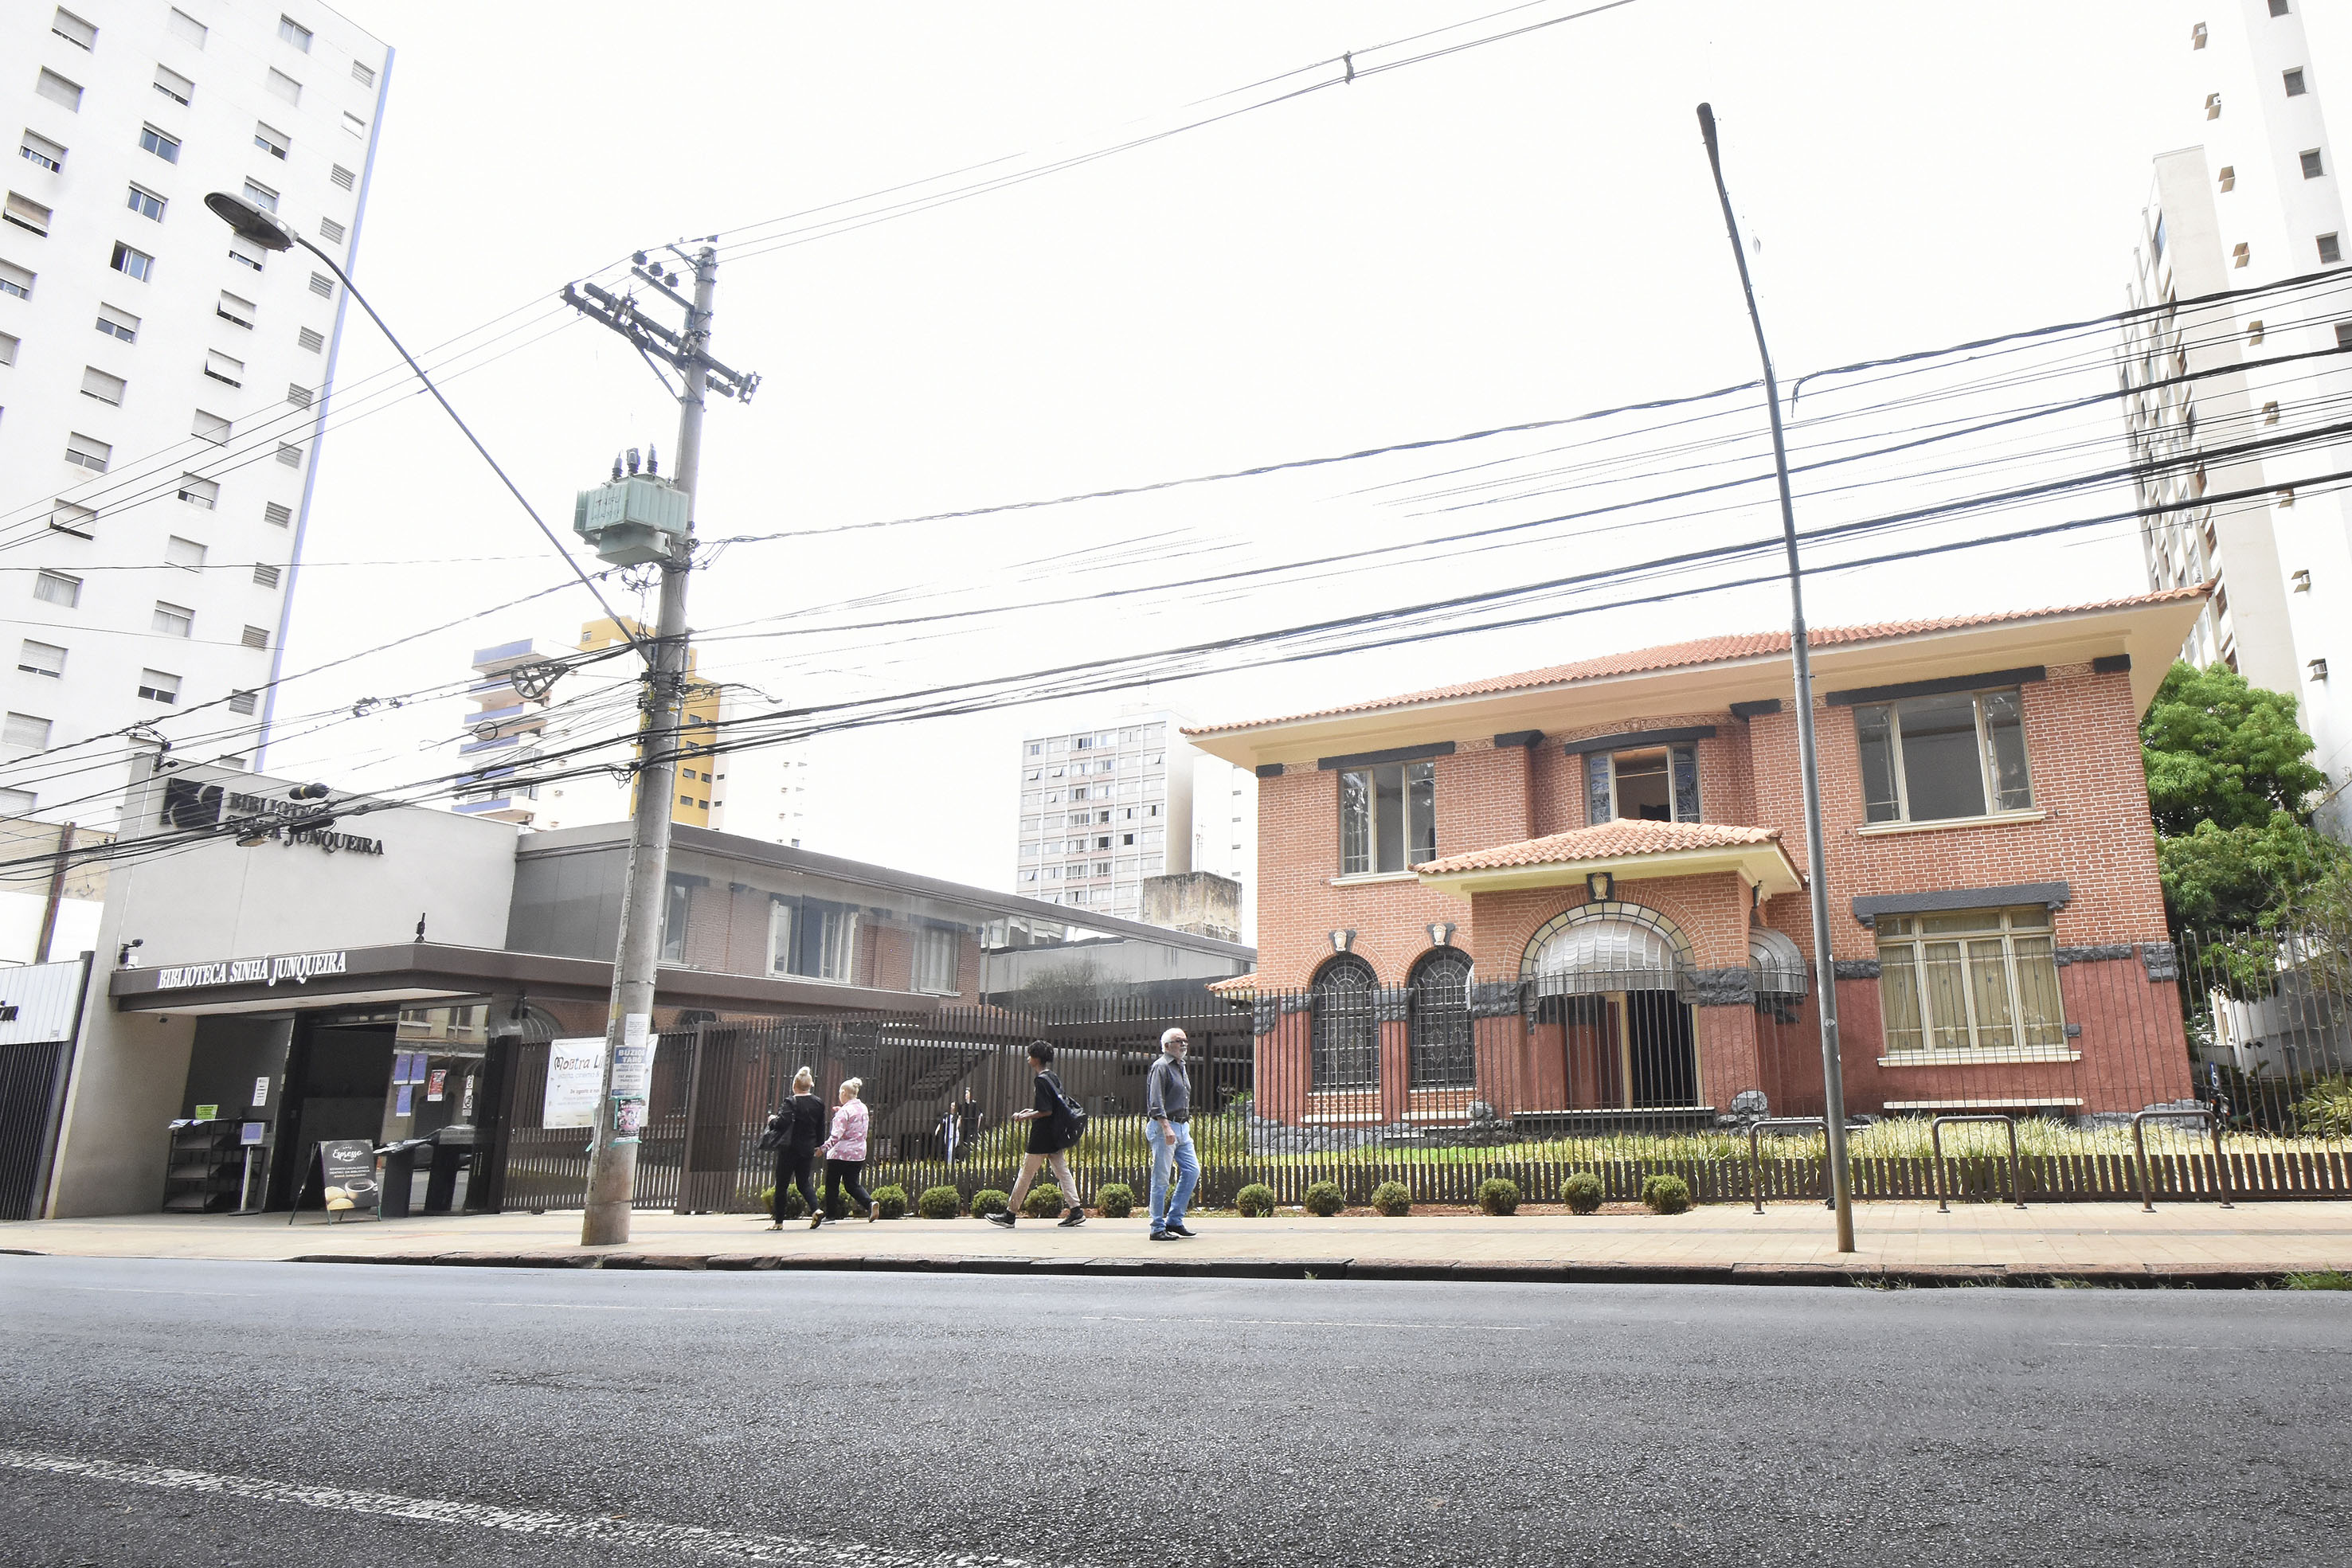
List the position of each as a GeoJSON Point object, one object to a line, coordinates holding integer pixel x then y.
{"type": "Point", "coordinates": [2140, 1151]}
{"type": "Point", "coordinates": [1936, 1143]}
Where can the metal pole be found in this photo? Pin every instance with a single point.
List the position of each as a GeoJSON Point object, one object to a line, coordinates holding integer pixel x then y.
{"type": "Point", "coordinates": [57, 894]}
{"type": "Point", "coordinates": [612, 1158]}
{"type": "Point", "coordinates": [1824, 964]}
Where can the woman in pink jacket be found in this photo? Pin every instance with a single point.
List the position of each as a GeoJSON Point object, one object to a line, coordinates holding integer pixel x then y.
{"type": "Point", "coordinates": [845, 1155]}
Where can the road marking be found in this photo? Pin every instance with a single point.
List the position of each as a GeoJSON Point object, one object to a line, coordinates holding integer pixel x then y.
{"type": "Point", "coordinates": [1317, 1324]}
{"type": "Point", "coordinates": [2290, 1349]}
{"type": "Point", "coordinates": [617, 1307]}
{"type": "Point", "coordinates": [696, 1540]}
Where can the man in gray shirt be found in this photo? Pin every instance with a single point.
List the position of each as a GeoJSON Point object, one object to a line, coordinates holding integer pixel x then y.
{"type": "Point", "coordinates": [1168, 1118]}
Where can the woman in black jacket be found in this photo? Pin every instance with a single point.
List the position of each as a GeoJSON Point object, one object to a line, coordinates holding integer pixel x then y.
{"type": "Point", "coordinates": [803, 1121]}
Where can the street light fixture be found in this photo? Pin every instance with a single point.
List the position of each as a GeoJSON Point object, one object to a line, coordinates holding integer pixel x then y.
{"type": "Point", "coordinates": [252, 224]}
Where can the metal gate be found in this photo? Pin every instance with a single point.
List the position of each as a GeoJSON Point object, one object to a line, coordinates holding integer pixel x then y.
{"type": "Point", "coordinates": [40, 1013]}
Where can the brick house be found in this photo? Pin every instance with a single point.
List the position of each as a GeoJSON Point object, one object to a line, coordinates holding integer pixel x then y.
{"type": "Point", "coordinates": [1579, 890]}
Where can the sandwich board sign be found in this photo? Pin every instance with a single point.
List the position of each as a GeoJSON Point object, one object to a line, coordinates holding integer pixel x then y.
{"type": "Point", "coordinates": [343, 1171]}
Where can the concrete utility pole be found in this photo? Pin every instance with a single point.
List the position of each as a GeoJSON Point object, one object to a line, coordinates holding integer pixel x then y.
{"type": "Point", "coordinates": [1809, 758]}
{"type": "Point", "coordinates": [629, 1028]}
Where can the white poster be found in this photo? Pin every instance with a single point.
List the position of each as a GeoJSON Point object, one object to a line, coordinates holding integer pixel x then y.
{"type": "Point", "coordinates": [633, 1069]}
{"type": "Point", "coordinates": [575, 1076]}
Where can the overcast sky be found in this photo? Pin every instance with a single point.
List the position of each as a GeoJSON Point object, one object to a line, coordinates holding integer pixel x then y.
{"type": "Point", "coordinates": [1517, 232]}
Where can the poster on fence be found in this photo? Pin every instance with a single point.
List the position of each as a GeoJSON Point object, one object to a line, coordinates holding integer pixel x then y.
{"type": "Point", "coordinates": [575, 1076]}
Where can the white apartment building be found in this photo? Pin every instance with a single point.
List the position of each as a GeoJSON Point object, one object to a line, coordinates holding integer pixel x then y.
{"type": "Point", "coordinates": [1103, 809]}
{"type": "Point", "coordinates": [162, 384]}
{"type": "Point", "coordinates": [2257, 199]}
{"type": "Point", "coordinates": [757, 793]}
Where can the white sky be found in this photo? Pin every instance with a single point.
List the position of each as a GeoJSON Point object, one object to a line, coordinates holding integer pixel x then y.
{"type": "Point", "coordinates": [1517, 232]}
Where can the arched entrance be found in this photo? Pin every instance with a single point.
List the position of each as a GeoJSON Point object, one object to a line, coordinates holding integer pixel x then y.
{"type": "Point", "coordinates": [1616, 979]}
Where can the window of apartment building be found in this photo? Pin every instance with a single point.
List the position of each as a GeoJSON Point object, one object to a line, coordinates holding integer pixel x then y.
{"type": "Point", "coordinates": [1344, 1041]}
{"type": "Point", "coordinates": [25, 730]}
{"type": "Point", "coordinates": [2254, 332]}
{"type": "Point", "coordinates": [1980, 980]}
{"type": "Point", "coordinates": [57, 90]}
{"type": "Point", "coordinates": [185, 554]}
{"type": "Point", "coordinates": [362, 74]}
{"type": "Point", "coordinates": [131, 263]}
{"type": "Point", "coordinates": [1655, 784]}
{"type": "Point", "coordinates": [256, 637]}
{"type": "Point", "coordinates": [203, 493]}
{"type": "Point", "coordinates": [2294, 83]}
{"type": "Point", "coordinates": [39, 150]}
{"type": "Point", "coordinates": [41, 659]}
{"type": "Point", "coordinates": [158, 686]}
{"type": "Point", "coordinates": [87, 452]}
{"type": "Point", "coordinates": [1388, 817]}
{"type": "Point", "coordinates": [160, 143]}
{"type": "Point", "coordinates": [290, 456]}
{"type": "Point", "coordinates": [331, 230]}
{"type": "Point", "coordinates": [105, 388]}
{"type": "Point", "coordinates": [2240, 254]}
{"type": "Point", "coordinates": [221, 368]}
{"type": "Point", "coordinates": [235, 310]}
{"type": "Point", "coordinates": [812, 937]}
{"type": "Point", "coordinates": [2212, 106]}
{"type": "Point", "coordinates": [25, 213]}
{"type": "Point", "coordinates": [342, 177]}
{"type": "Point", "coordinates": [173, 620]}
{"type": "Point", "coordinates": [2313, 165]}
{"type": "Point", "coordinates": [16, 280]}
{"type": "Point", "coordinates": [1934, 759]}
{"type": "Point", "coordinates": [17, 802]}
{"type": "Point", "coordinates": [294, 33]}
{"type": "Point", "coordinates": [936, 950]}
{"type": "Point", "coordinates": [188, 29]}
{"type": "Point", "coordinates": [146, 203]}
{"type": "Point", "coordinates": [2270, 410]}
{"type": "Point", "coordinates": [285, 86]}
{"type": "Point", "coordinates": [237, 254]}
{"type": "Point", "coordinates": [174, 86]}
{"type": "Point", "coordinates": [2228, 177]}
{"type": "Point", "coordinates": [211, 427]}
{"type": "Point", "coordinates": [1438, 1033]}
{"type": "Point", "coordinates": [245, 703]}
{"type": "Point", "coordinates": [311, 339]}
{"type": "Point", "coordinates": [270, 140]}
{"type": "Point", "coordinates": [2197, 37]}
{"type": "Point", "coordinates": [261, 196]}
{"type": "Point", "coordinates": [69, 517]}
{"type": "Point", "coordinates": [2278, 7]}
{"type": "Point", "coordinates": [59, 587]}
{"type": "Point", "coordinates": [277, 514]}
{"type": "Point", "coordinates": [73, 29]}
{"type": "Point", "coordinates": [298, 395]}
{"type": "Point", "coordinates": [2331, 250]}
{"type": "Point", "coordinates": [322, 285]}
{"type": "Point", "coordinates": [354, 126]}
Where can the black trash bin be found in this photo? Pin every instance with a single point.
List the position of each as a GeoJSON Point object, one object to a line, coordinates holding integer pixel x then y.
{"type": "Point", "coordinates": [400, 1177]}
{"type": "Point", "coordinates": [453, 1151]}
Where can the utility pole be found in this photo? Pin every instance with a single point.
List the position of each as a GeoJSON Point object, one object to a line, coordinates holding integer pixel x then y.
{"type": "Point", "coordinates": [628, 1027]}
{"type": "Point", "coordinates": [1809, 755]}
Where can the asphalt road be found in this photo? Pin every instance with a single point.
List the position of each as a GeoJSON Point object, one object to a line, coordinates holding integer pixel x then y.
{"type": "Point", "coordinates": [188, 1413]}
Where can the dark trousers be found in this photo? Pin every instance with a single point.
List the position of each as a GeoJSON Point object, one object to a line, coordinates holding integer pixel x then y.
{"type": "Point", "coordinates": [841, 1173]}
{"type": "Point", "coordinates": [795, 1166]}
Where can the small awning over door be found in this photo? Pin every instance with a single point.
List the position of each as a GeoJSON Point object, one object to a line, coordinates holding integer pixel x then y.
{"type": "Point", "coordinates": [1779, 969]}
{"type": "Point", "coordinates": [1593, 957]}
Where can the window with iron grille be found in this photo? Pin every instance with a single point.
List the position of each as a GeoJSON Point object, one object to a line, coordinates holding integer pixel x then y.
{"type": "Point", "coordinates": [1345, 1039]}
{"type": "Point", "coordinates": [1439, 1031]}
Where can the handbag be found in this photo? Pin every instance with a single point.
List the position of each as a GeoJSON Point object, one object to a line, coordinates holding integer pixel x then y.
{"type": "Point", "coordinates": [778, 1131]}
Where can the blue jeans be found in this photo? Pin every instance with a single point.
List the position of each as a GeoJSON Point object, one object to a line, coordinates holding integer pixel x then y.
{"type": "Point", "coordinates": [1165, 1212]}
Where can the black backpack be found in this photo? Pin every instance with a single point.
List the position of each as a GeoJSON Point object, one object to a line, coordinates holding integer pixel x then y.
{"type": "Point", "coordinates": [1070, 1121]}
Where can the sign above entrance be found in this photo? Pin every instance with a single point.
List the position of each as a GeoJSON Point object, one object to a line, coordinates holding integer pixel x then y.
{"type": "Point", "coordinates": [296, 967]}
{"type": "Point", "coordinates": [192, 803]}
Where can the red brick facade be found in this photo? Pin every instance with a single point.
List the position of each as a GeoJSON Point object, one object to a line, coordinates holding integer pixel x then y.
{"type": "Point", "coordinates": [2088, 828]}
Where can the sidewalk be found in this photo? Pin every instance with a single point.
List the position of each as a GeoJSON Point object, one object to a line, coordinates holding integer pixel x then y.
{"type": "Point", "coordinates": [2186, 1243]}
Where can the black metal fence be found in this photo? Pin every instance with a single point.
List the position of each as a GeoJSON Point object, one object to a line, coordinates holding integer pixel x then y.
{"type": "Point", "coordinates": [1441, 1086]}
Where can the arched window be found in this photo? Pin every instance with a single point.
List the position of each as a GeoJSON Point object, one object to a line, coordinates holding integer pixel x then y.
{"type": "Point", "coordinates": [1346, 1035]}
{"type": "Point", "coordinates": [1441, 1050]}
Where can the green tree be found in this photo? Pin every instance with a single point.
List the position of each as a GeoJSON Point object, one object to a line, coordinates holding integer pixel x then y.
{"type": "Point", "coordinates": [2222, 751]}
{"type": "Point", "coordinates": [2229, 774]}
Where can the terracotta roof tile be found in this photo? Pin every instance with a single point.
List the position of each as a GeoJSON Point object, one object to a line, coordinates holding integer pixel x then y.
{"type": "Point", "coordinates": [1606, 840]}
{"type": "Point", "coordinates": [1699, 651]}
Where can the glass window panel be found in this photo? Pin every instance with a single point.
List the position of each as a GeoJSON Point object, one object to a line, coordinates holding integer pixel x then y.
{"type": "Point", "coordinates": [1440, 1036]}
{"type": "Point", "coordinates": [780, 939]}
{"type": "Point", "coordinates": [1388, 818]}
{"type": "Point", "coordinates": [1945, 988]}
{"type": "Point", "coordinates": [1644, 791]}
{"type": "Point", "coordinates": [1898, 995]}
{"type": "Point", "coordinates": [1942, 775]}
{"type": "Point", "coordinates": [1597, 808]}
{"type": "Point", "coordinates": [2040, 1011]}
{"type": "Point", "coordinates": [1967, 920]}
{"type": "Point", "coordinates": [1879, 800]}
{"type": "Point", "coordinates": [2005, 729]}
{"type": "Point", "coordinates": [1685, 770]}
{"type": "Point", "coordinates": [1988, 977]}
{"type": "Point", "coordinates": [1355, 822]}
{"type": "Point", "coordinates": [1421, 811]}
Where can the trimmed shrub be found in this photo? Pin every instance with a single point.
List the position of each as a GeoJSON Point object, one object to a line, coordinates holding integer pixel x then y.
{"type": "Point", "coordinates": [1392, 1198]}
{"type": "Point", "coordinates": [1254, 1201]}
{"type": "Point", "coordinates": [989, 1200]}
{"type": "Point", "coordinates": [1498, 1194]}
{"type": "Point", "coordinates": [1115, 1201]}
{"type": "Point", "coordinates": [940, 1203]}
{"type": "Point", "coordinates": [893, 1199]}
{"type": "Point", "coordinates": [1325, 1199]}
{"type": "Point", "coordinates": [1666, 1194]}
{"type": "Point", "coordinates": [1581, 1192]}
{"type": "Point", "coordinates": [1043, 1202]}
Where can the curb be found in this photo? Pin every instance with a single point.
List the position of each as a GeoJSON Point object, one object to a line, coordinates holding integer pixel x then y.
{"type": "Point", "coordinates": [1867, 1276]}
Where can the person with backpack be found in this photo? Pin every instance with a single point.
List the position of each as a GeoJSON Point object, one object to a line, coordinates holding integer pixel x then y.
{"type": "Point", "coordinates": [792, 1134]}
{"type": "Point", "coordinates": [1056, 1122]}
{"type": "Point", "coordinates": [1168, 1120]}
{"type": "Point", "coordinates": [845, 1157]}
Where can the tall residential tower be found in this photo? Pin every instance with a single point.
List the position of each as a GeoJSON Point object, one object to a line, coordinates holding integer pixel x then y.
{"type": "Point", "coordinates": [162, 384]}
